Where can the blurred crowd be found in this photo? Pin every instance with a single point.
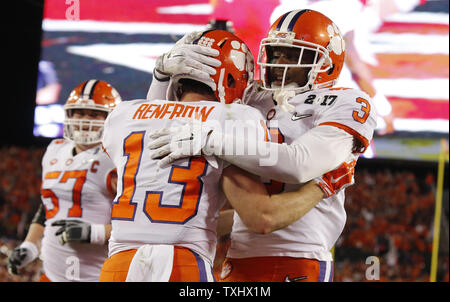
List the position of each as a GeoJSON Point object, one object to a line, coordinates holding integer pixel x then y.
{"type": "Point", "coordinates": [389, 216]}
{"type": "Point", "coordinates": [20, 182]}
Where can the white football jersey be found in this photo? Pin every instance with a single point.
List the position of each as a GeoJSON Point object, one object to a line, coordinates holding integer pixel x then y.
{"type": "Point", "coordinates": [313, 235]}
{"type": "Point", "coordinates": [74, 187]}
{"type": "Point", "coordinates": [176, 205]}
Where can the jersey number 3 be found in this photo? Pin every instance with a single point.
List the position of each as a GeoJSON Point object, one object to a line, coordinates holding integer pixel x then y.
{"type": "Point", "coordinates": [156, 211]}
{"type": "Point", "coordinates": [365, 108]}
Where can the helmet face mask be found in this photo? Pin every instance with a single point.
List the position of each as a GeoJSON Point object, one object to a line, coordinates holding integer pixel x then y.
{"type": "Point", "coordinates": [313, 48]}
{"type": "Point", "coordinates": [83, 131]}
{"type": "Point", "coordinates": [290, 65]}
{"type": "Point", "coordinates": [92, 98]}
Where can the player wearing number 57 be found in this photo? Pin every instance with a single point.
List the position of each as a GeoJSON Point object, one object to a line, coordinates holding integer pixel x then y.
{"type": "Point", "coordinates": [73, 222]}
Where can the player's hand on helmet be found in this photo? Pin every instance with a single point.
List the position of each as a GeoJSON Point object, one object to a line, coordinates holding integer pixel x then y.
{"type": "Point", "coordinates": [186, 58]}
{"type": "Point", "coordinates": [73, 231]}
{"type": "Point", "coordinates": [21, 256]}
{"type": "Point", "coordinates": [338, 179]}
{"type": "Point", "coordinates": [173, 143]}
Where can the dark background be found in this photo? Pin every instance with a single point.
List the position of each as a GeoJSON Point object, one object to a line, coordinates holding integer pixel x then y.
{"type": "Point", "coordinates": [21, 32]}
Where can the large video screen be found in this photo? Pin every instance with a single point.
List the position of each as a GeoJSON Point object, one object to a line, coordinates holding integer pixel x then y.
{"type": "Point", "coordinates": [404, 52]}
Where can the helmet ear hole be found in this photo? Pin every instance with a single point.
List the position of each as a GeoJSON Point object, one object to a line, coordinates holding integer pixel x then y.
{"type": "Point", "coordinates": [222, 43]}
{"type": "Point", "coordinates": [230, 81]}
{"type": "Point", "coordinates": [320, 45]}
{"type": "Point", "coordinates": [331, 70]}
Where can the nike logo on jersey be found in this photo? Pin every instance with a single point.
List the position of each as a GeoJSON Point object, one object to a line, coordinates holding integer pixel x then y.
{"type": "Point", "coordinates": [287, 279]}
{"type": "Point", "coordinates": [297, 116]}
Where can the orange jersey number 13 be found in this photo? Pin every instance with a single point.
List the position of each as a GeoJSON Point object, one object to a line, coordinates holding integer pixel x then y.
{"type": "Point", "coordinates": [189, 177]}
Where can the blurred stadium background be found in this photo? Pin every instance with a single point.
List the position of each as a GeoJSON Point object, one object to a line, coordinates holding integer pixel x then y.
{"type": "Point", "coordinates": [398, 210]}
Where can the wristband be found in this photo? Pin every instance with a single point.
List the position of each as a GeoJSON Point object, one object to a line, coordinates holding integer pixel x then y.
{"type": "Point", "coordinates": [97, 234]}
{"type": "Point", "coordinates": [155, 72]}
{"type": "Point", "coordinates": [33, 252]}
{"type": "Point", "coordinates": [326, 188]}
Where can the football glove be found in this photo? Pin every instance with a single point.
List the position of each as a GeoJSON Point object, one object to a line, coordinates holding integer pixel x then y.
{"type": "Point", "coordinates": [21, 256]}
{"type": "Point", "coordinates": [73, 231]}
{"type": "Point", "coordinates": [79, 231]}
{"type": "Point", "coordinates": [189, 59]}
{"type": "Point", "coordinates": [338, 179]}
{"type": "Point", "coordinates": [173, 143]}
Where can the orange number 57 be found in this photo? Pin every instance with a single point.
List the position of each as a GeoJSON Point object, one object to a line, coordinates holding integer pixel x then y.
{"type": "Point", "coordinates": [80, 178]}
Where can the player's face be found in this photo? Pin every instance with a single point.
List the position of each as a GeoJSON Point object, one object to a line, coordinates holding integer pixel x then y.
{"type": "Point", "coordinates": [290, 55]}
{"type": "Point", "coordinates": [89, 114]}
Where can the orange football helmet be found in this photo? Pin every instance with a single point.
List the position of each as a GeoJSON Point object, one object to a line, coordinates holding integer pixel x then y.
{"type": "Point", "coordinates": [235, 73]}
{"type": "Point", "coordinates": [93, 95]}
{"type": "Point", "coordinates": [306, 31]}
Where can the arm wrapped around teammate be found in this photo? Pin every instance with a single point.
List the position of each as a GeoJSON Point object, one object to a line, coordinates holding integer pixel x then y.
{"type": "Point", "coordinates": [318, 151]}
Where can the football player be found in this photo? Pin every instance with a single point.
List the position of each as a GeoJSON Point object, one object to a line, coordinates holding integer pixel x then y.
{"type": "Point", "coordinates": [164, 220]}
{"type": "Point", "coordinates": [316, 128]}
{"type": "Point", "coordinates": [73, 223]}
{"type": "Point", "coordinates": [358, 21]}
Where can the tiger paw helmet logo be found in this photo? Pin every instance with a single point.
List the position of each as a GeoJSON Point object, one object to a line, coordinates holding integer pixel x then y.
{"type": "Point", "coordinates": [337, 43]}
{"type": "Point", "coordinates": [205, 41]}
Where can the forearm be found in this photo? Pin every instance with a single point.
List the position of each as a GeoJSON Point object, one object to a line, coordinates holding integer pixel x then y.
{"type": "Point", "coordinates": [225, 223]}
{"type": "Point", "coordinates": [264, 213]}
{"type": "Point", "coordinates": [35, 233]}
{"type": "Point", "coordinates": [158, 88]}
{"type": "Point", "coordinates": [311, 155]}
{"type": "Point", "coordinates": [286, 208]}
{"type": "Point", "coordinates": [37, 226]}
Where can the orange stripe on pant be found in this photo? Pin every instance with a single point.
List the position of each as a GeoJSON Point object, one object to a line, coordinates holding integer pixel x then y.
{"type": "Point", "coordinates": [276, 269]}
{"type": "Point", "coordinates": [44, 278]}
{"type": "Point", "coordinates": [187, 267]}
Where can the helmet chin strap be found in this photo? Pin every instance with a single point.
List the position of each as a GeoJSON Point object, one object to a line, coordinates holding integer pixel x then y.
{"type": "Point", "coordinates": [282, 95]}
